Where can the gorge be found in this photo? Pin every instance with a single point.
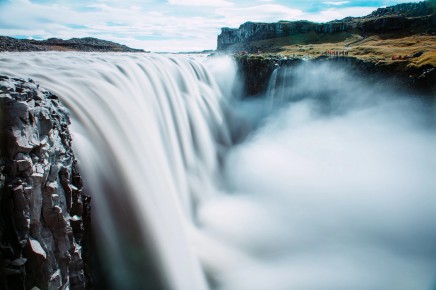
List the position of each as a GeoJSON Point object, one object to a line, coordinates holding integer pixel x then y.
{"type": "Point", "coordinates": [194, 188]}
{"type": "Point", "coordinates": [274, 163]}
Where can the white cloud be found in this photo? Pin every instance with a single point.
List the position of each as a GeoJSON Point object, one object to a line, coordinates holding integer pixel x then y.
{"type": "Point", "coordinates": [336, 3]}
{"type": "Point", "coordinates": [215, 3]}
{"type": "Point", "coordinates": [340, 13]}
{"type": "Point", "coordinates": [153, 25]}
{"type": "Point", "coordinates": [261, 13]}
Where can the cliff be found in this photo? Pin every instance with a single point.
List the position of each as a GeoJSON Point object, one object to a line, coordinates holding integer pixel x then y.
{"type": "Point", "coordinates": [412, 16]}
{"type": "Point", "coordinates": [88, 44]}
{"type": "Point", "coordinates": [392, 42]}
{"type": "Point", "coordinates": [256, 71]}
{"type": "Point", "coordinates": [44, 216]}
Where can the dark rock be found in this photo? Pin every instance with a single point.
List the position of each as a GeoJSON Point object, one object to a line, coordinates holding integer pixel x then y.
{"type": "Point", "coordinates": [252, 31]}
{"type": "Point", "coordinates": [41, 196]}
{"type": "Point", "coordinates": [405, 9]}
{"type": "Point", "coordinates": [256, 71]}
{"type": "Point", "coordinates": [73, 44]}
{"type": "Point", "coordinates": [12, 44]}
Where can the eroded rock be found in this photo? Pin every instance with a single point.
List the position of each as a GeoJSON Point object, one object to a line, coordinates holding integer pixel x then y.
{"type": "Point", "coordinates": [41, 196]}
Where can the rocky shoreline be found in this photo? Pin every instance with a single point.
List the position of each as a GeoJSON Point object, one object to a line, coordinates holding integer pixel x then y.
{"type": "Point", "coordinates": [88, 44]}
{"type": "Point", "coordinates": [45, 216]}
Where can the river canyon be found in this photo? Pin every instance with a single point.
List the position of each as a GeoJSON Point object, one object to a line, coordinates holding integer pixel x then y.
{"type": "Point", "coordinates": [325, 181]}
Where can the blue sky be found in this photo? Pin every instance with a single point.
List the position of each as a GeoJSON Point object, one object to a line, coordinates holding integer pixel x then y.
{"type": "Point", "coordinates": [163, 25]}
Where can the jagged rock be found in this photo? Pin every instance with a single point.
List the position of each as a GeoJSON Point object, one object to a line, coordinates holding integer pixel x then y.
{"type": "Point", "coordinates": [35, 247]}
{"type": "Point", "coordinates": [43, 207]}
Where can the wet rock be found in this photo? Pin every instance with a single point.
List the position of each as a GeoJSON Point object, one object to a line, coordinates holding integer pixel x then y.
{"type": "Point", "coordinates": [42, 226]}
{"type": "Point", "coordinates": [256, 70]}
{"type": "Point", "coordinates": [35, 247]}
{"type": "Point", "coordinates": [19, 262]}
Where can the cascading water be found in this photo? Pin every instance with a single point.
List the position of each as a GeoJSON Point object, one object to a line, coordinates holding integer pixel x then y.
{"type": "Point", "coordinates": [148, 131]}
{"type": "Point", "coordinates": [333, 189]}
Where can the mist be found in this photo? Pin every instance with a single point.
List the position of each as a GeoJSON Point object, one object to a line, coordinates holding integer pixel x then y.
{"type": "Point", "coordinates": [334, 188]}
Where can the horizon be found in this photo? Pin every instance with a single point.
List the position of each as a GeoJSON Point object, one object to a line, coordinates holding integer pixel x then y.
{"type": "Point", "coordinates": [163, 25]}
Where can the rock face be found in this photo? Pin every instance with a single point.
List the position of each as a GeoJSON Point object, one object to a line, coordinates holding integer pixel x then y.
{"type": "Point", "coordinates": [73, 44]}
{"type": "Point", "coordinates": [256, 71]}
{"type": "Point", "coordinates": [44, 214]}
{"type": "Point", "coordinates": [402, 16]}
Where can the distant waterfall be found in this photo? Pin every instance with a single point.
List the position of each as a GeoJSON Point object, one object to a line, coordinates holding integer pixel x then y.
{"type": "Point", "coordinates": [331, 184]}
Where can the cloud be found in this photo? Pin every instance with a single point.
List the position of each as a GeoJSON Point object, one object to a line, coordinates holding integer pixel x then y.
{"type": "Point", "coordinates": [182, 24]}
{"type": "Point", "coordinates": [336, 3]}
{"type": "Point", "coordinates": [260, 13]}
{"type": "Point", "coordinates": [216, 3]}
{"type": "Point", "coordinates": [338, 13]}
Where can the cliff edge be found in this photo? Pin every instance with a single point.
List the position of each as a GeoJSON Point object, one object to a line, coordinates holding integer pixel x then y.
{"type": "Point", "coordinates": [409, 18]}
{"type": "Point", "coordinates": [44, 216]}
{"type": "Point", "coordinates": [392, 42]}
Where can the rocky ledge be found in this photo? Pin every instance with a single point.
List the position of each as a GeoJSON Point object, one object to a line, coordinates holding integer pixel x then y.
{"type": "Point", "coordinates": [256, 71]}
{"type": "Point", "coordinates": [88, 44]}
{"type": "Point", "coordinates": [44, 216]}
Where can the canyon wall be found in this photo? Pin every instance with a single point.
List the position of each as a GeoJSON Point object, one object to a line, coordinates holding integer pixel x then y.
{"type": "Point", "coordinates": [44, 216]}
{"type": "Point", "coordinates": [256, 71]}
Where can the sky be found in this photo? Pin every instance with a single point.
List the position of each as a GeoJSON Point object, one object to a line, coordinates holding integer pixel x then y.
{"type": "Point", "coordinates": [164, 25]}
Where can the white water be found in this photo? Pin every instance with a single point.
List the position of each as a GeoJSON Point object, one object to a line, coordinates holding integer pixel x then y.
{"type": "Point", "coordinates": [148, 131]}
{"type": "Point", "coordinates": [333, 189]}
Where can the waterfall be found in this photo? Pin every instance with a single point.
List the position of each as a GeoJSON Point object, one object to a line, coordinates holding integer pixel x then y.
{"type": "Point", "coordinates": [149, 132]}
{"type": "Point", "coordinates": [330, 185]}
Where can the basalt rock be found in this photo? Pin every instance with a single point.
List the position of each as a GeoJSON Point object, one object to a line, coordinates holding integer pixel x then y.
{"type": "Point", "coordinates": [256, 70]}
{"type": "Point", "coordinates": [43, 208]}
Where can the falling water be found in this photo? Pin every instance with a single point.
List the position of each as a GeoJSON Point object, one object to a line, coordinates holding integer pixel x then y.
{"type": "Point", "coordinates": [149, 132]}
{"type": "Point", "coordinates": [330, 187]}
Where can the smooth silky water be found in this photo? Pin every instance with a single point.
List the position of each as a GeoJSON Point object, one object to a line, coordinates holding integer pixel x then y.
{"type": "Point", "coordinates": [327, 182]}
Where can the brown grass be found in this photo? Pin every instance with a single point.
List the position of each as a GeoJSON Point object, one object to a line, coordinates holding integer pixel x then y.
{"type": "Point", "coordinates": [59, 48]}
{"type": "Point", "coordinates": [379, 48]}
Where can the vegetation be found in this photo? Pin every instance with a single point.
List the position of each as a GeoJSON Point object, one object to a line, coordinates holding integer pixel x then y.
{"type": "Point", "coordinates": [378, 48]}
